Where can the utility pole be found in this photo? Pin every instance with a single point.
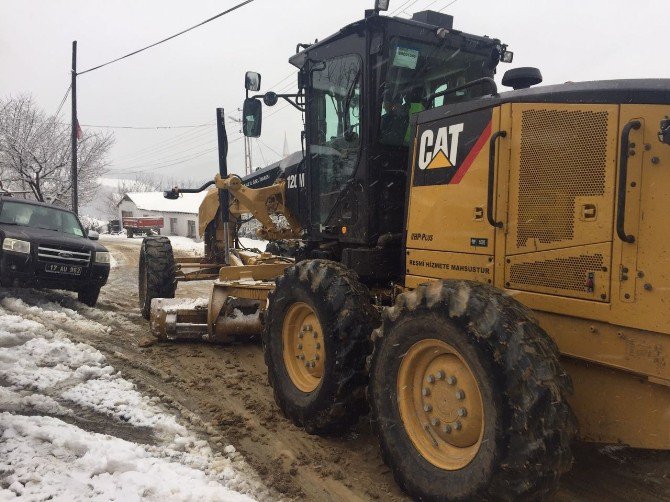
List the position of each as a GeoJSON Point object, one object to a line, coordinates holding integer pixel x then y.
{"type": "Point", "coordinates": [75, 194]}
{"type": "Point", "coordinates": [247, 145]}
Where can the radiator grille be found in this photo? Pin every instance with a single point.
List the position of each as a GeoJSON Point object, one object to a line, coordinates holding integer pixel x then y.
{"type": "Point", "coordinates": [569, 273]}
{"type": "Point", "coordinates": [563, 156]}
{"type": "Point", "coordinates": [63, 255]}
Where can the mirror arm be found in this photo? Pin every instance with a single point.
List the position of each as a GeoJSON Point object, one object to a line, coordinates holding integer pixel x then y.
{"type": "Point", "coordinates": [286, 97]}
{"type": "Point", "coordinates": [293, 103]}
{"type": "Point", "coordinates": [173, 193]}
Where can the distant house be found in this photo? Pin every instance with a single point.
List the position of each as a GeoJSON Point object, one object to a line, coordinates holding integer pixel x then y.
{"type": "Point", "coordinates": [180, 216]}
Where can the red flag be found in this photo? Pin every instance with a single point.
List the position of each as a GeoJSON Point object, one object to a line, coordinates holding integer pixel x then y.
{"type": "Point", "coordinates": [80, 133]}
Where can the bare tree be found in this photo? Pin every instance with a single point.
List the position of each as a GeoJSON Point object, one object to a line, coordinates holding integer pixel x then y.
{"type": "Point", "coordinates": [35, 154]}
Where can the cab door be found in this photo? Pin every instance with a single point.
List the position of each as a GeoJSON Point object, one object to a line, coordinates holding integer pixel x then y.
{"type": "Point", "coordinates": [335, 135]}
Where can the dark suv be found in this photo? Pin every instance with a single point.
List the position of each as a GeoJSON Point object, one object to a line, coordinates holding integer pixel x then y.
{"type": "Point", "coordinates": [47, 247]}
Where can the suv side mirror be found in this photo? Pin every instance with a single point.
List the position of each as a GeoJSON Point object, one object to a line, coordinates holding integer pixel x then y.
{"type": "Point", "coordinates": [252, 117]}
{"type": "Point", "coordinates": [93, 235]}
{"type": "Point", "coordinates": [252, 81]}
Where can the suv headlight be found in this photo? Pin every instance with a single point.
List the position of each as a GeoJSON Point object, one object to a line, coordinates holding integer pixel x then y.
{"type": "Point", "coordinates": [102, 257]}
{"type": "Point", "coordinates": [16, 246]}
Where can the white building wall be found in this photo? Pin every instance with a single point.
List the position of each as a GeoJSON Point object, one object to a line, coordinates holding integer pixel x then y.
{"type": "Point", "coordinates": [181, 224]}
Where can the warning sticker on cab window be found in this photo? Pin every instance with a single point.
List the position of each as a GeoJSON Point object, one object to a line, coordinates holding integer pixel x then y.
{"type": "Point", "coordinates": [406, 58]}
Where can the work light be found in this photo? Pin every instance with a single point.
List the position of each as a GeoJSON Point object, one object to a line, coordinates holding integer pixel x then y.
{"type": "Point", "coordinates": [382, 5]}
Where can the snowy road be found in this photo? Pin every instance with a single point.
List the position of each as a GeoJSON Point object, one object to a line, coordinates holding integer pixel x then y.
{"type": "Point", "coordinates": [60, 401]}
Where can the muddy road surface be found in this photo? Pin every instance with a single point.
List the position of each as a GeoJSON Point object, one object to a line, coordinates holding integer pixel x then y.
{"type": "Point", "coordinates": [222, 391]}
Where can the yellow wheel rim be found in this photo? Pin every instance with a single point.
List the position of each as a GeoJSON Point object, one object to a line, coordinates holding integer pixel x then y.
{"type": "Point", "coordinates": [303, 347]}
{"type": "Point", "coordinates": [440, 404]}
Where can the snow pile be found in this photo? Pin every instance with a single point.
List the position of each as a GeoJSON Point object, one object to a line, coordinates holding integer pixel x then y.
{"type": "Point", "coordinates": [73, 388]}
{"type": "Point", "coordinates": [44, 457]}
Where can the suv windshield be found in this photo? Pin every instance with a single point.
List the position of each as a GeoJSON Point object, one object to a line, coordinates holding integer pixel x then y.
{"type": "Point", "coordinates": [48, 218]}
{"type": "Point", "coordinates": [417, 69]}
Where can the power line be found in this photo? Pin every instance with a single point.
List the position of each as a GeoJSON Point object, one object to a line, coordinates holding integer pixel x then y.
{"type": "Point", "coordinates": [166, 144]}
{"type": "Point", "coordinates": [258, 144]}
{"type": "Point", "coordinates": [269, 147]}
{"type": "Point", "coordinates": [393, 13]}
{"type": "Point", "coordinates": [449, 4]}
{"type": "Point", "coordinates": [242, 4]}
{"type": "Point", "coordinates": [62, 101]}
{"type": "Point", "coordinates": [149, 127]}
{"type": "Point", "coordinates": [174, 163]}
{"type": "Point", "coordinates": [170, 157]}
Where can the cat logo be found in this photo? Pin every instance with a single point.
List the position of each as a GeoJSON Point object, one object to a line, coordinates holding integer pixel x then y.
{"type": "Point", "coordinates": [446, 148]}
{"type": "Point", "coordinates": [439, 149]}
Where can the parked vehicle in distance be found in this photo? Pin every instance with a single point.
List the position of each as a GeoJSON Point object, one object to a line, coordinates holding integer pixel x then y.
{"type": "Point", "coordinates": [47, 247]}
{"type": "Point", "coordinates": [142, 226]}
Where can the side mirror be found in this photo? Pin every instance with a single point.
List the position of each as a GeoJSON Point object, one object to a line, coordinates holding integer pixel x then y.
{"type": "Point", "coordinates": [252, 81]}
{"type": "Point", "coordinates": [252, 117]}
{"type": "Point", "coordinates": [93, 235]}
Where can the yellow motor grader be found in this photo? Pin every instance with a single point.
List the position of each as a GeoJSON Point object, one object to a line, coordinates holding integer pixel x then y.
{"type": "Point", "coordinates": [487, 273]}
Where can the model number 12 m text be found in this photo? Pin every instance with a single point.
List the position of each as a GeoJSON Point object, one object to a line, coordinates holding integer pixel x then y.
{"type": "Point", "coordinates": [295, 180]}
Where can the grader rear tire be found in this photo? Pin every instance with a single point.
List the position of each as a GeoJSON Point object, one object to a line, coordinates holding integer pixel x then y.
{"type": "Point", "coordinates": [316, 341]}
{"type": "Point", "coordinates": [156, 272]}
{"type": "Point", "coordinates": [468, 397]}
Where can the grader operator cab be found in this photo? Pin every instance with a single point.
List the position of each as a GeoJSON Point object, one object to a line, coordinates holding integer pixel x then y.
{"type": "Point", "coordinates": [486, 273]}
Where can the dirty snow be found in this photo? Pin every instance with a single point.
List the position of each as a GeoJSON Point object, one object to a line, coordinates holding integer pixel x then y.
{"type": "Point", "coordinates": [52, 387]}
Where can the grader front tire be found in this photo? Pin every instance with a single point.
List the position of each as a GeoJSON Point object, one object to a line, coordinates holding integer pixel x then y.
{"type": "Point", "coordinates": [468, 397]}
{"type": "Point", "coordinates": [316, 341]}
{"type": "Point", "coordinates": [156, 272]}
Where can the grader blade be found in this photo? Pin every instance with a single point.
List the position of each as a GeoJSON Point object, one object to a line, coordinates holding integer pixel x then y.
{"type": "Point", "coordinates": [179, 318]}
{"type": "Point", "coordinates": [232, 313]}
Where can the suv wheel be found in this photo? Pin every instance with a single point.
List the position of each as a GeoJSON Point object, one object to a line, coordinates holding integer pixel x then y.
{"type": "Point", "coordinates": [89, 295]}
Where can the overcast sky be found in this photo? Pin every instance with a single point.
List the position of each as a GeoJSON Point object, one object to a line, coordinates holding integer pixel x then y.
{"type": "Point", "coordinates": [182, 81]}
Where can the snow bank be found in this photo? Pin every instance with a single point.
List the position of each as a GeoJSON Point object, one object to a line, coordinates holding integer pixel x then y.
{"type": "Point", "coordinates": [46, 458]}
{"type": "Point", "coordinates": [71, 385]}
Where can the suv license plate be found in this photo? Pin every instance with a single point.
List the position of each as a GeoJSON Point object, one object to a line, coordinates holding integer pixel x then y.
{"type": "Point", "coordinates": [57, 268]}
